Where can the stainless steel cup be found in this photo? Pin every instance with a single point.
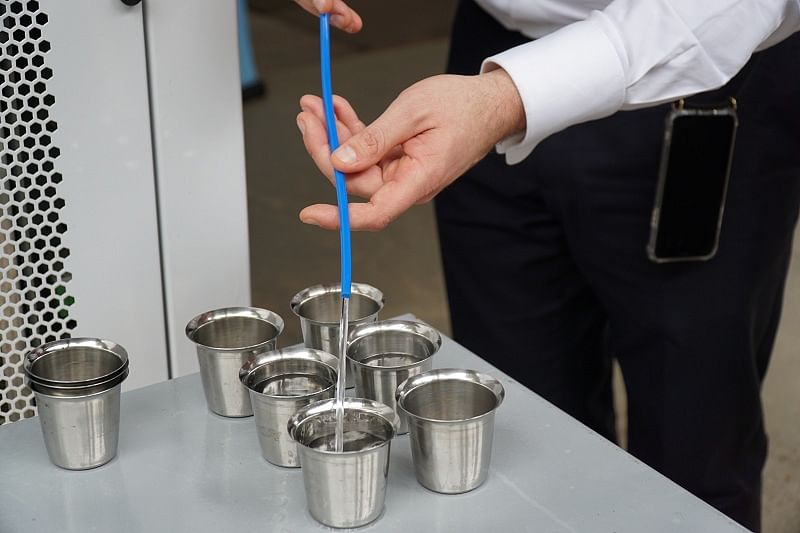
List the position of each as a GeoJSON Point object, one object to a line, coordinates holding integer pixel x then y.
{"type": "Point", "coordinates": [280, 383]}
{"type": "Point", "coordinates": [451, 420]}
{"type": "Point", "coordinates": [386, 353]}
{"type": "Point", "coordinates": [345, 489]}
{"type": "Point", "coordinates": [77, 384]}
{"type": "Point", "coordinates": [225, 339]}
{"type": "Point", "coordinates": [319, 309]}
{"type": "Point", "coordinates": [79, 362]}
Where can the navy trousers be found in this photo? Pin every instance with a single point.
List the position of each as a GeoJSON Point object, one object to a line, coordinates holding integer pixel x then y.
{"type": "Point", "coordinates": [548, 277]}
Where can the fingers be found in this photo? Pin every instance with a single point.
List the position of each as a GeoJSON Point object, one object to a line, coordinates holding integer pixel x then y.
{"type": "Point", "coordinates": [390, 200]}
{"type": "Point", "coordinates": [362, 184]}
{"type": "Point", "coordinates": [342, 109]}
{"type": "Point", "coordinates": [345, 112]}
{"type": "Point", "coordinates": [307, 117]}
{"type": "Point", "coordinates": [365, 216]}
{"type": "Point", "coordinates": [316, 142]}
{"type": "Point", "coordinates": [341, 15]}
{"type": "Point", "coordinates": [311, 123]}
{"type": "Point", "coordinates": [395, 126]}
{"type": "Point", "coordinates": [323, 215]}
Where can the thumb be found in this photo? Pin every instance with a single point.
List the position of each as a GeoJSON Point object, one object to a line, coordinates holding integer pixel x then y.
{"type": "Point", "coordinates": [395, 126]}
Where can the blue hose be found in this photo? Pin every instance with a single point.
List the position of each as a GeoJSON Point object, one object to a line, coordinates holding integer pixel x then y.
{"type": "Point", "coordinates": [333, 142]}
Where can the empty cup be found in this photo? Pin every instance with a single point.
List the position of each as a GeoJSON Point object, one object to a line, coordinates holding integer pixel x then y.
{"type": "Point", "coordinates": [77, 384]}
{"type": "Point", "coordinates": [280, 383]}
{"type": "Point", "coordinates": [225, 339]}
{"type": "Point", "coordinates": [319, 309]}
{"type": "Point", "coordinates": [348, 488]}
{"type": "Point", "coordinates": [451, 423]}
{"type": "Point", "coordinates": [386, 353]}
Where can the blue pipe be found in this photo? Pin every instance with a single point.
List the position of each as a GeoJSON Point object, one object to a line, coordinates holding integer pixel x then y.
{"type": "Point", "coordinates": [333, 142]}
{"type": "Point", "coordinates": [248, 72]}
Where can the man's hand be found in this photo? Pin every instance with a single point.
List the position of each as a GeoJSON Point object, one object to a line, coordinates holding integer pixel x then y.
{"type": "Point", "coordinates": [342, 16]}
{"type": "Point", "coordinates": [429, 136]}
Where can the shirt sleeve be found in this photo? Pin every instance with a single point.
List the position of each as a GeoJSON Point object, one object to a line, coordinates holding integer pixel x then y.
{"type": "Point", "coordinates": [633, 54]}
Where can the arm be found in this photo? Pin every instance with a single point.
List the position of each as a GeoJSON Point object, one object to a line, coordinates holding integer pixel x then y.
{"type": "Point", "coordinates": [636, 53]}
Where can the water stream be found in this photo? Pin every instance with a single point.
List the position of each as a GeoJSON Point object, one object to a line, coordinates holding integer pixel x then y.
{"type": "Point", "coordinates": [341, 382]}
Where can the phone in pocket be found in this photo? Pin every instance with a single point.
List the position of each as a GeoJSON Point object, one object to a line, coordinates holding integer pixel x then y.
{"type": "Point", "coordinates": [693, 180]}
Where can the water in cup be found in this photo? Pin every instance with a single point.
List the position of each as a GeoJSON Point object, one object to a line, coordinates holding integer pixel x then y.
{"type": "Point", "coordinates": [291, 385]}
{"type": "Point", "coordinates": [353, 441]}
{"type": "Point", "coordinates": [391, 359]}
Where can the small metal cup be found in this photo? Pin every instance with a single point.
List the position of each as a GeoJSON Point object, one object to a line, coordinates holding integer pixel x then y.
{"type": "Point", "coordinates": [345, 489]}
{"type": "Point", "coordinates": [77, 384]}
{"type": "Point", "coordinates": [78, 362]}
{"type": "Point", "coordinates": [451, 420]}
{"type": "Point", "coordinates": [280, 383]}
{"type": "Point", "coordinates": [319, 309]}
{"type": "Point", "coordinates": [386, 353]}
{"type": "Point", "coordinates": [225, 339]}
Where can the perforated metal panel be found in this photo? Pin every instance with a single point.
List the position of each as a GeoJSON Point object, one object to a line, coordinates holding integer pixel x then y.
{"type": "Point", "coordinates": [34, 279]}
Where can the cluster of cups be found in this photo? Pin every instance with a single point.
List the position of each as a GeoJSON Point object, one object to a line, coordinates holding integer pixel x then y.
{"type": "Point", "coordinates": [449, 413]}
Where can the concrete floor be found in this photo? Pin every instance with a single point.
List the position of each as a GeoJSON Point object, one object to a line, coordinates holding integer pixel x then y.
{"type": "Point", "coordinates": [403, 261]}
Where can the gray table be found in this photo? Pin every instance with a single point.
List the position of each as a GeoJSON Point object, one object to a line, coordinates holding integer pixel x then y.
{"type": "Point", "coordinates": [181, 468]}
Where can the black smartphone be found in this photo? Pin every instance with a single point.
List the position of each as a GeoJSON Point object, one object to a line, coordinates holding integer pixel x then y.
{"type": "Point", "coordinates": [693, 180]}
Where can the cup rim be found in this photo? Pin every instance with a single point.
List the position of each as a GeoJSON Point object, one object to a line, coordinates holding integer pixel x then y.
{"type": "Point", "coordinates": [450, 374]}
{"type": "Point", "coordinates": [295, 352]}
{"type": "Point", "coordinates": [314, 291]}
{"type": "Point", "coordinates": [114, 382]}
{"type": "Point", "coordinates": [203, 319]}
{"type": "Point", "coordinates": [324, 406]}
{"type": "Point", "coordinates": [123, 370]}
{"type": "Point", "coordinates": [32, 357]}
{"type": "Point", "coordinates": [413, 327]}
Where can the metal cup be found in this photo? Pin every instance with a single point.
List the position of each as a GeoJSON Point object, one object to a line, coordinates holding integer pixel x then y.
{"type": "Point", "coordinates": [386, 353]}
{"type": "Point", "coordinates": [319, 309]}
{"type": "Point", "coordinates": [77, 384]}
{"type": "Point", "coordinates": [225, 339]}
{"type": "Point", "coordinates": [280, 383]}
{"type": "Point", "coordinates": [78, 362]}
{"type": "Point", "coordinates": [345, 489]}
{"type": "Point", "coordinates": [451, 420]}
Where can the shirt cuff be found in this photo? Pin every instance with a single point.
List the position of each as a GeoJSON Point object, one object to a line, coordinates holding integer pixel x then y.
{"type": "Point", "coordinates": [570, 76]}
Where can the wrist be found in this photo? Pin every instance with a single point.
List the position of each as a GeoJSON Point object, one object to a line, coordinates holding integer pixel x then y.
{"type": "Point", "coordinates": [504, 103]}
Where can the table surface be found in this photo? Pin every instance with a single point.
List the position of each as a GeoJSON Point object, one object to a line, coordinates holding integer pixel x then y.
{"type": "Point", "coordinates": [182, 468]}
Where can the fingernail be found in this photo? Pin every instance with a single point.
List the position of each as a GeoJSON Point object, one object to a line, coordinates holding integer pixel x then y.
{"type": "Point", "coordinates": [301, 126]}
{"type": "Point", "coordinates": [319, 4]}
{"type": "Point", "coordinates": [345, 154]}
{"type": "Point", "coordinates": [311, 221]}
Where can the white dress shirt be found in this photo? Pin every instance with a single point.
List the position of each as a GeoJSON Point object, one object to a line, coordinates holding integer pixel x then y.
{"type": "Point", "coordinates": [595, 57]}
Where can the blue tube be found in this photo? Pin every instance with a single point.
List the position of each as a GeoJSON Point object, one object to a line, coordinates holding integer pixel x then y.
{"type": "Point", "coordinates": [333, 142]}
{"type": "Point", "coordinates": [248, 72]}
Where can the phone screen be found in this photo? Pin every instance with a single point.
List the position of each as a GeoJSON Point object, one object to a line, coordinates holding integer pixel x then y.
{"type": "Point", "coordinates": [693, 186]}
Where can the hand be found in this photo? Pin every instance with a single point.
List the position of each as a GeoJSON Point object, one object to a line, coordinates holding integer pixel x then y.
{"type": "Point", "coordinates": [342, 16]}
{"type": "Point", "coordinates": [429, 136]}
